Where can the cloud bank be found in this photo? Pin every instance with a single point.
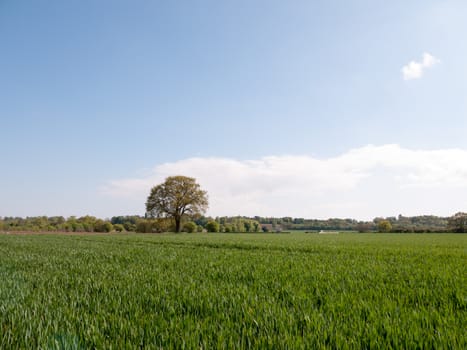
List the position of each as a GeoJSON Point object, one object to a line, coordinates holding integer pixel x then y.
{"type": "Point", "coordinates": [361, 183]}
{"type": "Point", "coordinates": [414, 69]}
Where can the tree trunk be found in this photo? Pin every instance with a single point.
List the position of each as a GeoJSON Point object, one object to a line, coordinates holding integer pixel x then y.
{"type": "Point", "coordinates": [177, 224]}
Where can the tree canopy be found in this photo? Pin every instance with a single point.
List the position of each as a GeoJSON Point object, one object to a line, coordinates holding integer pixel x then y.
{"type": "Point", "coordinates": [458, 222]}
{"type": "Point", "coordinates": [137, 223]}
{"type": "Point", "coordinates": [176, 197]}
{"type": "Point", "coordinates": [384, 226]}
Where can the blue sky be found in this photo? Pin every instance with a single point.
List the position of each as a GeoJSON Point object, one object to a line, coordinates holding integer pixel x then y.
{"type": "Point", "coordinates": [96, 97]}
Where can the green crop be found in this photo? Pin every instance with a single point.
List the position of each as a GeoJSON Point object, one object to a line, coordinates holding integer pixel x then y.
{"type": "Point", "coordinates": [207, 291]}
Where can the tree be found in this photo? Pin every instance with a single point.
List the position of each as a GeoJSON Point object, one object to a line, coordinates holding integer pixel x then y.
{"type": "Point", "coordinates": [384, 226]}
{"type": "Point", "coordinates": [212, 226]}
{"type": "Point", "coordinates": [144, 226]}
{"type": "Point", "coordinates": [177, 197]}
{"type": "Point", "coordinates": [256, 226]}
{"type": "Point", "coordinates": [364, 227]}
{"type": "Point", "coordinates": [458, 223]}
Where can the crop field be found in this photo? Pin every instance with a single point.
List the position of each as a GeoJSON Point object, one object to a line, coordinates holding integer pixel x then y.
{"type": "Point", "coordinates": [268, 291]}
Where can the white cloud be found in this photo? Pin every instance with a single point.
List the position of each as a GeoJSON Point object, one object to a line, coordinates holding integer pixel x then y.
{"type": "Point", "coordinates": [361, 183]}
{"type": "Point", "coordinates": [414, 70]}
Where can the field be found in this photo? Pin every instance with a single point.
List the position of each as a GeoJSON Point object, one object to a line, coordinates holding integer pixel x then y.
{"type": "Point", "coordinates": [233, 291]}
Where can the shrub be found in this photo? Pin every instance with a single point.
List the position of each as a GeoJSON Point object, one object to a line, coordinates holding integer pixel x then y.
{"type": "Point", "coordinates": [189, 227]}
{"type": "Point", "coordinates": [119, 227]}
{"type": "Point", "coordinates": [212, 226]}
{"type": "Point", "coordinates": [384, 226]}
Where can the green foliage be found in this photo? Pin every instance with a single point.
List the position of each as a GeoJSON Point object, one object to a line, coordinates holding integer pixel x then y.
{"type": "Point", "coordinates": [128, 222]}
{"type": "Point", "coordinates": [212, 226]}
{"type": "Point", "coordinates": [238, 224]}
{"type": "Point", "coordinates": [256, 226]}
{"type": "Point", "coordinates": [426, 223]}
{"type": "Point", "coordinates": [271, 291]}
{"type": "Point", "coordinates": [189, 227]}
{"type": "Point", "coordinates": [154, 225]}
{"type": "Point", "coordinates": [144, 226]}
{"type": "Point", "coordinates": [102, 226]}
{"type": "Point", "coordinates": [119, 227]}
{"type": "Point", "coordinates": [177, 197]}
{"type": "Point", "coordinates": [384, 226]}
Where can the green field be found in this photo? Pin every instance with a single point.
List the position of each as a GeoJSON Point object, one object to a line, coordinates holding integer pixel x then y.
{"type": "Point", "coordinates": [233, 291]}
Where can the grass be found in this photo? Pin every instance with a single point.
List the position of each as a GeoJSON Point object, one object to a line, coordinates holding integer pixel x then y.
{"type": "Point", "coordinates": [233, 291]}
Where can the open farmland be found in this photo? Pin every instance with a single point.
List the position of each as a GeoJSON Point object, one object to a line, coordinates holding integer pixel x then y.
{"type": "Point", "coordinates": [233, 291]}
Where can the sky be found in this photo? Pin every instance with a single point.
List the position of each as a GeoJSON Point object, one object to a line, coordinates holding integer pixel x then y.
{"type": "Point", "coordinates": [310, 109]}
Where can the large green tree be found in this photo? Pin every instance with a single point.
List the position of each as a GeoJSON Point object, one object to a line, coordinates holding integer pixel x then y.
{"type": "Point", "coordinates": [176, 197]}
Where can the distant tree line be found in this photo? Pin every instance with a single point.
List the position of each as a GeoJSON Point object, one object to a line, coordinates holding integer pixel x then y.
{"type": "Point", "coordinates": [425, 223]}
{"type": "Point", "coordinates": [56, 223]}
{"type": "Point", "coordinates": [136, 223]}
